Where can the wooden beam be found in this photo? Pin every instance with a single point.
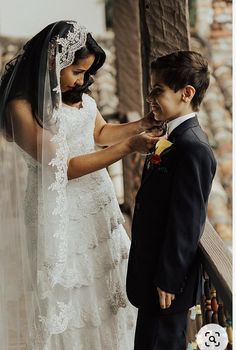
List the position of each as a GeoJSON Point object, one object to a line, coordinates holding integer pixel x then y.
{"type": "Point", "coordinates": [126, 25]}
{"type": "Point", "coordinates": [164, 29]}
{"type": "Point", "coordinates": [168, 26]}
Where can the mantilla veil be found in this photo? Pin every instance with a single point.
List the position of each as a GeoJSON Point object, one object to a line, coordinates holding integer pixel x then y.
{"type": "Point", "coordinates": [30, 305]}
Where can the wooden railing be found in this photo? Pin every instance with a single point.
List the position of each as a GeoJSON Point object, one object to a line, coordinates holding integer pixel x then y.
{"type": "Point", "coordinates": [216, 304]}
{"type": "Point", "coordinates": [217, 262]}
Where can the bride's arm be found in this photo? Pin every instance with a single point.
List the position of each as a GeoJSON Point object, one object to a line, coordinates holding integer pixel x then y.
{"type": "Point", "coordinates": [21, 127]}
{"type": "Point", "coordinates": [85, 164]}
{"type": "Point", "coordinates": [106, 134]}
{"type": "Point", "coordinates": [32, 138]}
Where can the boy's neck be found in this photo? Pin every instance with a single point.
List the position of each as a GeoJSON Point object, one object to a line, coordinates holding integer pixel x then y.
{"type": "Point", "coordinates": [182, 113]}
{"type": "Point", "coordinates": [172, 124]}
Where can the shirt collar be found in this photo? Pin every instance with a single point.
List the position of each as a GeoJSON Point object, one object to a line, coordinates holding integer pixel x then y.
{"type": "Point", "coordinates": [171, 125]}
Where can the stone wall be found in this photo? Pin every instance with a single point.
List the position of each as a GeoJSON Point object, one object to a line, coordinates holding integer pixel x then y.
{"type": "Point", "coordinates": [212, 36]}
{"type": "Point", "coordinates": [9, 47]}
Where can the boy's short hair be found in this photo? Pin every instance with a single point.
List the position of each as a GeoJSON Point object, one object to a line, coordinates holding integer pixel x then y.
{"type": "Point", "coordinates": [182, 68]}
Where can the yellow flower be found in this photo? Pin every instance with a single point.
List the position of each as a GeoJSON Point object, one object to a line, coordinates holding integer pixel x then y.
{"type": "Point", "coordinates": [161, 145]}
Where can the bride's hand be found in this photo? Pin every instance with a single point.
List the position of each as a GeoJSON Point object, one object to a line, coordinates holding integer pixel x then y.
{"type": "Point", "coordinates": [143, 142]}
{"type": "Point", "coordinates": [150, 123]}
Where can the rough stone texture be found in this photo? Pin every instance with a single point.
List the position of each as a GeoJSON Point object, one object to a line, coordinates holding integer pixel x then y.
{"type": "Point", "coordinates": [128, 55]}
{"type": "Point", "coordinates": [9, 47]}
{"type": "Point", "coordinates": [216, 122]}
{"type": "Point", "coordinates": [214, 24]}
{"type": "Point", "coordinates": [215, 42]}
{"type": "Point", "coordinates": [204, 17]}
{"type": "Point", "coordinates": [223, 75]}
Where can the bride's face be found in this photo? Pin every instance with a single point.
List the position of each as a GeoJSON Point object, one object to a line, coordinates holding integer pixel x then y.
{"type": "Point", "coordinates": [74, 74]}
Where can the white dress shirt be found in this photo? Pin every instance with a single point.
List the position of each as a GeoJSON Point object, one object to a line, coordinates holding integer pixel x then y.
{"type": "Point", "coordinates": [171, 125]}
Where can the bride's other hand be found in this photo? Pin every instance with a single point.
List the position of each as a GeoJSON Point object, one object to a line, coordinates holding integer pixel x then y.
{"type": "Point", "coordinates": [143, 142]}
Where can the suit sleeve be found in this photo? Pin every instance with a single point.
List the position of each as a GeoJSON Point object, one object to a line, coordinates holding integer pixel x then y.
{"type": "Point", "coordinates": [187, 213]}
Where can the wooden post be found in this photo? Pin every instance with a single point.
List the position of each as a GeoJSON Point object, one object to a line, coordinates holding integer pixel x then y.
{"type": "Point", "coordinates": [144, 29]}
{"type": "Point", "coordinates": [126, 24]}
{"type": "Point", "coordinates": [165, 28]}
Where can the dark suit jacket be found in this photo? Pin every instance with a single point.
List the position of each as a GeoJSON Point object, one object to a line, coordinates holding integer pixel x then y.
{"type": "Point", "coordinates": [168, 221]}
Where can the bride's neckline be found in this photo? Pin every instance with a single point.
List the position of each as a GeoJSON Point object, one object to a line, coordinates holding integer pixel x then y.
{"type": "Point", "coordinates": [77, 105]}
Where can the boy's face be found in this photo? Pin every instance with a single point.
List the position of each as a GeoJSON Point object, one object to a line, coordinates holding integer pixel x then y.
{"type": "Point", "coordinates": [165, 102]}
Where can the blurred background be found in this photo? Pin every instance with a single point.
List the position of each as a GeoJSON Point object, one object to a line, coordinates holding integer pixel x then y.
{"type": "Point", "coordinates": [211, 34]}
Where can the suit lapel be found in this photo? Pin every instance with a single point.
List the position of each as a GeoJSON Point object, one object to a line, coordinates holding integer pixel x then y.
{"type": "Point", "coordinates": [146, 174]}
{"type": "Point", "coordinates": [189, 123]}
{"type": "Point", "coordinates": [178, 131]}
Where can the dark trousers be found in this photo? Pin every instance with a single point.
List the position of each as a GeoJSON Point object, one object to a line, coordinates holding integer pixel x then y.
{"type": "Point", "coordinates": [161, 332]}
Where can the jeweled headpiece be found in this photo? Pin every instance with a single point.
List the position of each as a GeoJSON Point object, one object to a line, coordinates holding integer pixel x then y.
{"type": "Point", "coordinates": [66, 47]}
{"type": "Point", "coordinates": [73, 42]}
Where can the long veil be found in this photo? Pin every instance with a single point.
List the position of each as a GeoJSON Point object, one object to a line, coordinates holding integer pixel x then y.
{"type": "Point", "coordinates": [33, 202]}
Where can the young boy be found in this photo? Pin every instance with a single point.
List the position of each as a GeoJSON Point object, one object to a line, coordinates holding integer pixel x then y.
{"type": "Point", "coordinates": [171, 204]}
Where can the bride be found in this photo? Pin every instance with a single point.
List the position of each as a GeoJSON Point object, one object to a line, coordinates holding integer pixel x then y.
{"type": "Point", "coordinates": [64, 253]}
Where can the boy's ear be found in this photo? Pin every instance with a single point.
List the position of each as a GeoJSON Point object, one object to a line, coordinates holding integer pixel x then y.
{"type": "Point", "coordinates": [188, 93]}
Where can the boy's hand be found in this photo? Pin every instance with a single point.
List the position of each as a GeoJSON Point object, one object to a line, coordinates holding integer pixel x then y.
{"type": "Point", "coordinates": [165, 298]}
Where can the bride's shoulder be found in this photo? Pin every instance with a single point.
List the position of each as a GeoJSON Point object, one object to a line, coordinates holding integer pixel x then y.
{"type": "Point", "coordinates": [19, 113]}
{"type": "Point", "coordinates": [19, 106]}
{"type": "Point", "coordinates": [90, 105]}
{"type": "Point", "coordinates": [88, 99]}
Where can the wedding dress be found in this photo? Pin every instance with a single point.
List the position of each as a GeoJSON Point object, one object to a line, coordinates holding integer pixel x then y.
{"type": "Point", "coordinates": [91, 311]}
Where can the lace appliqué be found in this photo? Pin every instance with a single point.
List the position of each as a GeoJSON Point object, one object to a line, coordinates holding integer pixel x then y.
{"type": "Point", "coordinates": [60, 210]}
{"type": "Point", "coordinates": [73, 42]}
{"type": "Point", "coordinates": [118, 298]}
{"type": "Point", "coordinates": [58, 323]}
{"type": "Point", "coordinates": [57, 89]}
{"type": "Point", "coordinates": [63, 49]}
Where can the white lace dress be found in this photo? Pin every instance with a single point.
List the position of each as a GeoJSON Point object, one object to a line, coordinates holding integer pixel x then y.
{"type": "Point", "coordinates": [97, 314]}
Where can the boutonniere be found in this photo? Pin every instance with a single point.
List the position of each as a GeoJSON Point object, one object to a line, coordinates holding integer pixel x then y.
{"type": "Point", "coordinates": [160, 147]}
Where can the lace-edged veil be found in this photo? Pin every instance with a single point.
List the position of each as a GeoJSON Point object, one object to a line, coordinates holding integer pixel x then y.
{"type": "Point", "coordinates": [33, 249]}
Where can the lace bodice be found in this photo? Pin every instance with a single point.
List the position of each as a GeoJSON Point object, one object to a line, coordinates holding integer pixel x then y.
{"type": "Point", "coordinates": [80, 123]}
{"type": "Point", "coordinates": [91, 192]}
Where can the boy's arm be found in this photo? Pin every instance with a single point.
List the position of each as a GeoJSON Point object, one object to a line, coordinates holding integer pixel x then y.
{"type": "Point", "coordinates": [187, 213]}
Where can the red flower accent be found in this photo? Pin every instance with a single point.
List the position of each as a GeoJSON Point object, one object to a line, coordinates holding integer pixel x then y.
{"type": "Point", "coordinates": [155, 159]}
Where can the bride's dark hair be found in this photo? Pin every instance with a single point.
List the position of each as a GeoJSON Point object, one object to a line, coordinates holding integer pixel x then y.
{"type": "Point", "coordinates": [75, 95]}
{"type": "Point", "coordinates": [24, 76]}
